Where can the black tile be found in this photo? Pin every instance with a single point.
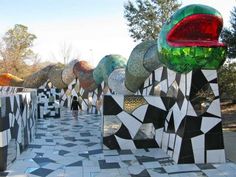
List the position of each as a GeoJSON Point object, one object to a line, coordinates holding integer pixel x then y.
{"type": "Point", "coordinates": [63, 152]}
{"type": "Point", "coordinates": [186, 151]}
{"type": "Point", "coordinates": [34, 146]}
{"type": "Point", "coordinates": [111, 142]}
{"type": "Point", "coordinates": [142, 159]}
{"type": "Point", "coordinates": [84, 155]}
{"type": "Point", "coordinates": [3, 158]}
{"type": "Point", "coordinates": [69, 144]}
{"type": "Point", "coordinates": [42, 172]}
{"type": "Point", "coordinates": [156, 116]}
{"type": "Point", "coordinates": [144, 173]}
{"type": "Point", "coordinates": [84, 140]}
{"type": "Point", "coordinates": [4, 123]}
{"type": "Point", "coordinates": [75, 164]}
{"type": "Point", "coordinates": [85, 134]}
{"type": "Point", "coordinates": [205, 166]}
{"type": "Point", "coordinates": [171, 125]}
{"type": "Point", "coordinates": [146, 143]}
{"type": "Point", "coordinates": [110, 107]}
{"type": "Point", "coordinates": [159, 170]}
{"type": "Point", "coordinates": [90, 144]}
{"type": "Point", "coordinates": [3, 174]}
{"type": "Point", "coordinates": [49, 140]}
{"type": "Point", "coordinates": [123, 132]}
{"type": "Point", "coordinates": [14, 130]}
{"type": "Point", "coordinates": [42, 160]}
{"type": "Point", "coordinates": [97, 151]}
{"type": "Point", "coordinates": [214, 138]}
{"type": "Point", "coordinates": [104, 165]}
{"type": "Point", "coordinates": [124, 151]}
{"type": "Point", "coordinates": [70, 138]}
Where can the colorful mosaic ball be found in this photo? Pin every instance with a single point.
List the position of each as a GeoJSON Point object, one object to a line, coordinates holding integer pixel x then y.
{"type": "Point", "coordinates": [7, 79]}
{"type": "Point", "coordinates": [55, 76]}
{"type": "Point", "coordinates": [116, 82]}
{"type": "Point", "coordinates": [83, 70]}
{"type": "Point", "coordinates": [189, 39]}
{"type": "Point", "coordinates": [106, 66]}
{"type": "Point", "coordinates": [68, 74]}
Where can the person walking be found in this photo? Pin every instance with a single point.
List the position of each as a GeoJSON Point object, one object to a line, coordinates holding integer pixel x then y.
{"type": "Point", "coordinates": [75, 107]}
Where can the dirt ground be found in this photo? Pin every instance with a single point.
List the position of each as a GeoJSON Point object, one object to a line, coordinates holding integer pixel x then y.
{"type": "Point", "coordinates": [228, 110]}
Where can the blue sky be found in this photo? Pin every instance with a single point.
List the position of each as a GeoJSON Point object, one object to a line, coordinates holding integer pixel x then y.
{"type": "Point", "coordinates": [92, 28]}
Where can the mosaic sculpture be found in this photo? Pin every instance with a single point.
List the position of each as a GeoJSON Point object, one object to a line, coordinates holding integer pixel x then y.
{"type": "Point", "coordinates": [170, 86]}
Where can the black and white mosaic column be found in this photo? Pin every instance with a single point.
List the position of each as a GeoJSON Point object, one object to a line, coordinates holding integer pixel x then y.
{"type": "Point", "coordinates": [17, 125]}
{"type": "Point", "coordinates": [48, 102]}
{"type": "Point", "coordinates": [187, 110]}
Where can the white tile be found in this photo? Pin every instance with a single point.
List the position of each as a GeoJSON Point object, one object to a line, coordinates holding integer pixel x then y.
{"type": "Point", "coordinates": [165, 140]}
{"type": "Point", "coordinates": [163, 86]}
{"type": "Point", "coordinates": [158, 136]}
{"type": "Point", "coordinates": [125, 144]}
{"type": "Point", "coordinates": [119, 100]}
{"type": "Point", "coordinates": [198, 145]}
{"type": "Point", "coordinates": [112, 158]}
{"type": "Point", "coordinates": [158, 74]}
{"type": "Point", "coordinates": [182, 84]}
{"type": "Point", "coordinates": [191, 111]}
{"type": "Point", "coordinates": [172, 140]}
{"type": "Point", "coordinates": [178, 116]}
{"type": "Point", "coordinates": [151, 165]}
{"type": "Point", "coordinates": [188, 83]}
{"type": "Point", "coordinates": [140, 112]}
{"type": "Point", "coordinates": [178, 144]}
{"type": "Point", "coordinates": [155, 101]}
{"type": "Point", "coordinates": [184, 107]}
{"type": "Point", "coordinates": [208, 123]}
{"type": "Point", "coordinates": [215, 89]}
{"type": "Point", "coordinates": [215, 156]}
{"type": "Point", "coordinates": [12, 102]}
{"type": "Point", "coordinates": [146, 83]}
{"type": "Point", "coordinates": [171, 76]}
{"type": "Point", "coordinates": [214, 108]}
{"type": "Point", "coordinates": [181, 168]}
{"type": "Point", "coordinates": [53, 166]}
{"type": "Point", "coordinates": [136, 169]}
{"type": "Point", "coordinates": [128, 157]}
{"type": "Point", "coordinates": [210, 74]}
{"type": "Point", "coordinates": [130, 122]}
{"type": "Point", "coordinates": [3, 138]}
{"type": "Point", "coordinates": [148, 90]}
{"type": "Point", "coordinates": [213, 173]}
{"type": "Point", "coordinates": [73, 171]}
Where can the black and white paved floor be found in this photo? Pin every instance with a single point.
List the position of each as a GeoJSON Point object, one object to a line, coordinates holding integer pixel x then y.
{"type": "Point", "coordinates": [67, 147]}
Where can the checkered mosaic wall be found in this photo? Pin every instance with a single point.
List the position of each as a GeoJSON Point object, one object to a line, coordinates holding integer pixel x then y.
{"type": "Point", "coordinates": [185, 117]}
{"type": "Point", "coordinates": [74, 90]}
{"type": "Point", "coordinates": [48, 102]}
{"type": "Point", "coordinates": [17, 125]}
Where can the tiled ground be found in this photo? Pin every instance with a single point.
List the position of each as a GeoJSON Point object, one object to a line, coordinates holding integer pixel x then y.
{"type": "Point", "coordinates": [72, 148]}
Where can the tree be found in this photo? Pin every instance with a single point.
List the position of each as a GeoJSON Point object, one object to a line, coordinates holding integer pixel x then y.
{"type": "Point", "coordinates": [65, 52]}
{"type": "Point", "coordinates": [146, 17]}
{"type": "Point", "coordinates": [228, 35]}
{"type": "Point", "coordinates": [227, 81]}
{"type": "Point", "coordinates": [16, 49]}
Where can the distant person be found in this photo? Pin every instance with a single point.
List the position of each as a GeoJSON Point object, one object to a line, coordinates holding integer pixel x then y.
{"type": "Point", "coordinates": [75, 107]}
{"type": "Point", "coordinates": [90, 105]}
{"type": "Point", "coordinates": [99, 105]}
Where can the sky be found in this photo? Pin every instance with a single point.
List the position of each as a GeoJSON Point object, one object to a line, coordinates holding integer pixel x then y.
{"type": "Point", "coordinates": [90, 28]}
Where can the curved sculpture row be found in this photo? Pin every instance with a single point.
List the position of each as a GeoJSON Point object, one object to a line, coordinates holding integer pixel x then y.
{"type": "Point", "coordinates": [188, 40]}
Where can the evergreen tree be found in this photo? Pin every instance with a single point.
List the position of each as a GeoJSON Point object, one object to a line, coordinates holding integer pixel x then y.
{"type": "Point", "coordinates": [228, 35]}
{"type": "Point", "coordinates": [146, 17]}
